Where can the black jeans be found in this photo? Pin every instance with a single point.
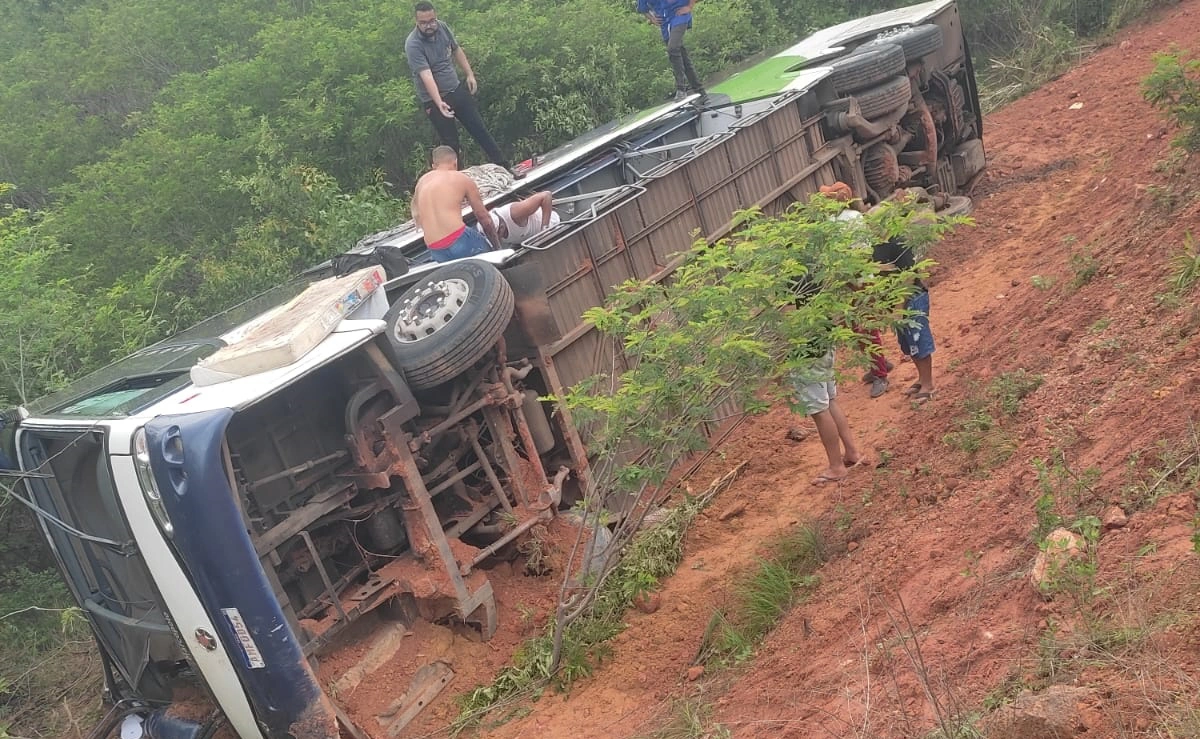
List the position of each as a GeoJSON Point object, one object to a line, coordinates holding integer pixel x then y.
{"type": "Point", "coordinates": [467, 113]}
{"type": "Point", "coordinates": [681, 63]}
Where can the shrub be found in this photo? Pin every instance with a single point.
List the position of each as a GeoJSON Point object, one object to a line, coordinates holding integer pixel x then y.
{"type": "Point", "coordinates": [1174, 87]}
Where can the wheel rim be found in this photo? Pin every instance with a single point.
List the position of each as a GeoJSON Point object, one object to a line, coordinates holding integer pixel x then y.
{"type": "Point", "coordinates": [430, 309]}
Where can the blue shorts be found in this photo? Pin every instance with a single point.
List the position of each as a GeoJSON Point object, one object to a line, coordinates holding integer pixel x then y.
{"type": "Point", "coordinates": [913, 334]}
{"type": "Point", "coordinates": [469, 243]}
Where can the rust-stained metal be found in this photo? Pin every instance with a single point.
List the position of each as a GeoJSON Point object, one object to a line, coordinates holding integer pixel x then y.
{"type": "Point", "coordinates": [466, 520]}
{"type": "Point", "coordinates": [384, 451]}
{"type": "Point", "coordinates": [947, 103]}
{"type": "Point", "coordinates": [457, 477]}
{"type": "Point", "coordinates": [537, 476]}
{"type": "Point", "coordinates": [554, 496]}
{"type": "Point", "coordinates": [370, 480]}
{"type": "Point", "coordinates": [502, 436]}
{"type": "Point", "coordinates": [566, 424]}
{"type": "Point", "coordinates": [316, 557]}
{"type": "Point", "coordinates": [521, 528]}
{"type": "Point", "coordinates": [512, 374]}
{"type": "Point", "coordinates": [929, 155]}
{"type": "Point", "coordinates": [425, 686]}
{"type": "Point", "coordinates": [471, 435]}
{"type": "Point", "coordinates": [492, 394]}
{"type": "Point", "coordinates": [438, 565]}
{"type": "Point", "coordinates": [501, 426]}
{"type": "Point", "coordinates": [362, 437]}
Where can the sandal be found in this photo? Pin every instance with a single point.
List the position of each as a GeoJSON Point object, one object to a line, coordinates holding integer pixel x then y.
{"type": "Point", "coordinates": [913, 389]}
{"type": "Point", "coordinates": [824, 479]}
{"type": "Point", "coordinates": [922, 397]}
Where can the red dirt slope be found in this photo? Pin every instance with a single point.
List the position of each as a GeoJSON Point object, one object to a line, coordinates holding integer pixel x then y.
{"type": "Point", "coordinates": [1074, 237]}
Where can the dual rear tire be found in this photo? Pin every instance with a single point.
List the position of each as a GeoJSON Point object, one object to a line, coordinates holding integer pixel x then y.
{"type": "Point", "coordinates": [875, 73]}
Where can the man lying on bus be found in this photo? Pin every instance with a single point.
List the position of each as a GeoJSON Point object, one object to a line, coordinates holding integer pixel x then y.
{"type": "Point", "coordinates": [517, 221]}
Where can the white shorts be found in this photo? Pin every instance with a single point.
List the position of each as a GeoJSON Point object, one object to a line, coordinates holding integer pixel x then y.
{"type": "Point", "coordinates": [815, 387]}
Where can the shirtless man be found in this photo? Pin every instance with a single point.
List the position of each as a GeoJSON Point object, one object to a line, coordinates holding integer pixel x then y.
{"type": "Point", "coordinates": [517, 221]}
{"type": "Point", "coordinates": [437, 209]}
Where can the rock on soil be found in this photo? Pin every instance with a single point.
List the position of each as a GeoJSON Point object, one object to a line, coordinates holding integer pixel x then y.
{"type": "Point", "coordinates": [1114, 518]}
{"type": "Point", "coordinates": [1061, 547]}
{"type": "Point", "coordinates": [1055, 713]}
{"type": "Point", "coordinates": [734, 510]}
{"type": "Point", "coordinates": [647, 602]}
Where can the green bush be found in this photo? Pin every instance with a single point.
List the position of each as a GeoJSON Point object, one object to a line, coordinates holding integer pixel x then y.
{"type": "Point", "coordinates": [1174, 88]}
{"type": "Point", "coordinates": [37, 621]}
{"type": "Point", "coordinates": [31, 607]}
{"type": "Point", "coordinates": [1020, 44]}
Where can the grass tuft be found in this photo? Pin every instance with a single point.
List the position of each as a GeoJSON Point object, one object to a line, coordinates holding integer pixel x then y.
{"type": "Point", "coordinates": [691, 719]}
{"type": "Point", "coordinates": [653, 554]}
{"type": "Point", "coordinates": [1186, 267]}
{"type": "Point", "coordinates": [1010, 388]}
{"type": "Point", "coordinates": [764, 597]}
{"type": "Point", "coordinates": [979, 431]}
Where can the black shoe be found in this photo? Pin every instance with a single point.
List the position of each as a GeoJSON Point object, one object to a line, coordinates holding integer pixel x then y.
{"type": "Point", "coordinates": [702, 93]}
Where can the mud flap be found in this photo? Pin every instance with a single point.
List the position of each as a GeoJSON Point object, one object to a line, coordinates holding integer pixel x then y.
{"type": "Point", "coordinates": [212, 544]}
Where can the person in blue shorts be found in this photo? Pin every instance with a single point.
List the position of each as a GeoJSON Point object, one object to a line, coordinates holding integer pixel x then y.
{"type": "Point", "coordinates": [674, 18]}
{"type": "Point", "coordinates": [913, 333]}
{"type": "Point", "coordinates": [437, 209]}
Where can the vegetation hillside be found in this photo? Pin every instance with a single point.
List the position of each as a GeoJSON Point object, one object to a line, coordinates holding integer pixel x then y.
{"type": "Point", "coordinates": [165, 160]}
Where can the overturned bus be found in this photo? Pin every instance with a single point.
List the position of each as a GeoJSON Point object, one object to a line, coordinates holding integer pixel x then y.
{"type": "Point", "coordinates": [225, 504]}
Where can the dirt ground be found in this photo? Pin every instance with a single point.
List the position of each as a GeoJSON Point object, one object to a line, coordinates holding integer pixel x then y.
{"type": "Point", "coordinates": [924, 617]}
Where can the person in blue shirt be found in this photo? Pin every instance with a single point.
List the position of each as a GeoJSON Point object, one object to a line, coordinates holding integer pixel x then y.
{"type": "Point", "coordinates": [674, 18]}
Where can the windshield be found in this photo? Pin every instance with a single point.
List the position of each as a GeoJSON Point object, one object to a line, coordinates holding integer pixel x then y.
{"type": "Point", "coordinates": [73, 489]}
{"type": "Point", "coordinates": [151, 374]}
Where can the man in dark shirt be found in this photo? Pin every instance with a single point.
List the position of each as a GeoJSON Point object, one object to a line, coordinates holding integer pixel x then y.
{"type": "Point", "coordinates": [913, 334]}
{"type": "Point", "coordinates": [432, 51]}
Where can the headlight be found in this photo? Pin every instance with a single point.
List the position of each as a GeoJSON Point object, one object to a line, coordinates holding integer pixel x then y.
{"type": "Point", "coordinates": [154, 501]}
